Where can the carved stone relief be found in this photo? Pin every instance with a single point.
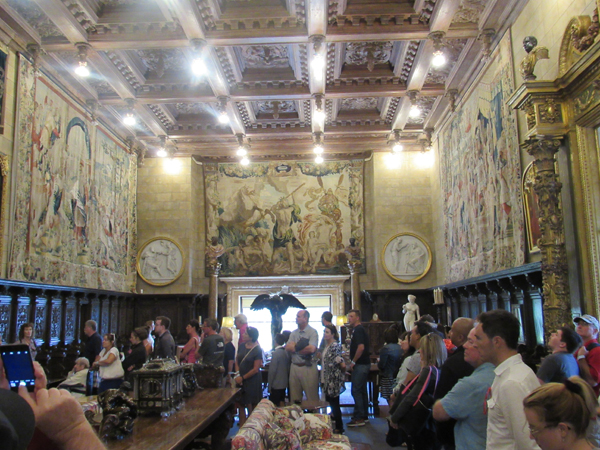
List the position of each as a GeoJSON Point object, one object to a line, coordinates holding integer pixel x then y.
{"type": "Point", "coordinates": [469, 11]}
{"type": "Point", "coordinates": [101, 86]}
{"type": "Point", "coordinates": [35, 17]}
{"type": "Point", "coordinates": [550, 112]}
{"type": "Point", "coordinates": [361, 53]}
{"type": "Point", "coordinates": [265, 56]}
{"type": "Point", "coordinates": [411, 54]}
{"type": "Point", "coordinates": [286, 106]}
{"type": "Point", "coordinates": [194, 108]}
{"type": "Point", "coordinates": [348, 104]}
{"type": "Point", "coordinates": [160, 61]}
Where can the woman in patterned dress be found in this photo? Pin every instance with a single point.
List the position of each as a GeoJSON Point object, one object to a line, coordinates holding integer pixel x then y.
{"type": "Point", "coordinates": [333, 375]}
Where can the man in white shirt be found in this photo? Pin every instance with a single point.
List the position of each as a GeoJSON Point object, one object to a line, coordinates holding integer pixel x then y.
{"type": "Point", "coordinates": [496, 338]}
{"type": "Point", "coordinates": [77, 378]}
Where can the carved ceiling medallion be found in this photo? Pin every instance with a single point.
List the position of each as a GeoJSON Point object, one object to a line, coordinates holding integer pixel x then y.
{"type": "Point", "coordinates": [358, 104]}
{"type": "Point", "coordinates": [370, 53]}
{"type": "Point", "coordinates": [35, 17]}
{"type": "Point", "coordinates": [160, 61]}
{"type": "Point", "coordinates": [286, 106]}
{"type": "Point", "coordinates": [469, 11]}
{"type": "Point", "coordinates": [101, 86]}
{"type": "Point", "coordinates": [265, 56]}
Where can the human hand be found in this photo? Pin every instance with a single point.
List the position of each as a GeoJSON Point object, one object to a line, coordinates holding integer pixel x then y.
{"type": "Point", "coordinates": [582, 351]}
{"type": "Point", "coordinates": [392, 424]}
{"type": "Point", "coordinates": [57, 415]}
{"type": "Point", "coordinates": [238, 379]}
{"type": "Point", "coordinates": [38, 371]}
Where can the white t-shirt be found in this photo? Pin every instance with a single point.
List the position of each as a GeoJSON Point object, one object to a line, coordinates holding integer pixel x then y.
{"type": "Point", "coordinates": [115, 370]}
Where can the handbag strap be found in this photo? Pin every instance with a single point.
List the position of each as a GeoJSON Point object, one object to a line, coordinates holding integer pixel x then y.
{"type": "Point", "coordinates": [409, 385]}
{"type": "Point", "coordinates": [426, 384]}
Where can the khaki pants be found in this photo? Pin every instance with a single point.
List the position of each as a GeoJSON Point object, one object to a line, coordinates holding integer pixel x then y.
{"type": "Point", "coordinates": [304, 378]}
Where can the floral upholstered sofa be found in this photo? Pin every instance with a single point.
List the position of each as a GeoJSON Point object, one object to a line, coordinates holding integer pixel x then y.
{"type": "Point", "coordinates": [287, 428]}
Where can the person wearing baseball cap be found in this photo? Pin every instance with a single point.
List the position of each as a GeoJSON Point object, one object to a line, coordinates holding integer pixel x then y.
{"type": "Point", "coordinates": [588, 356]}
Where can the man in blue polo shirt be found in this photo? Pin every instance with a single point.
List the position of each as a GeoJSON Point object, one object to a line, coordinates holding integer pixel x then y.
{"type": "Point", "coordinates": [465, 401]}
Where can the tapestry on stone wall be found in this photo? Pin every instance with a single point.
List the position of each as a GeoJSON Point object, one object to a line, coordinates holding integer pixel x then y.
{"type": "Point", "coordinates": [481, 176]}
{"type": "Point", "coordinates": [285, 218]}
{"type": "Point", "coordinates": [74, 221]}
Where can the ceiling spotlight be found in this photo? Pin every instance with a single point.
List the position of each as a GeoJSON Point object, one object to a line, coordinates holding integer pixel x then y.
{"type": "Point", "coordinates": [129, 118]}
{"type": "Point", "coordinates": [198, 67]}
{"type": "Point", "coordinates": [415, 111]}
{"type": "Point", "coordinates": [198, 64]}
{"type": "Point", "coordinates": [397, 148]}
{"type": "Point", "coordinates": [161, 153]}
{"type": "Point", "coordinates": [319, 159]}
{"type": "Point", "coordinates": [318, 149]}
{"type": "Point", "coordinates": [82, 50]}
{"type": "Point", "coordinates": [82, 69]}
{"type": "Point", "coordinates": [244, 161]}
{"type": "Point", "coordinates": [320, 115]}
{"type": "Point", "coordinates": [318, 60]}
{"type": "Point", "coordinates": [438, 59]}
{"type": "Point", "coordinates": [223, 117]}
{"type": "Point", "coordinates": [242, 151]}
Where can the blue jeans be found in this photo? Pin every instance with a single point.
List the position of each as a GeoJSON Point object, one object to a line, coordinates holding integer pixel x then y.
{"type": "Point", "coordinates": [360, 373]}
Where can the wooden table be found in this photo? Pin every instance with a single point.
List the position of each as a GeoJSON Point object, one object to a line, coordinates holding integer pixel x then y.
{"type": "Point", "coordinates": [152, 432]}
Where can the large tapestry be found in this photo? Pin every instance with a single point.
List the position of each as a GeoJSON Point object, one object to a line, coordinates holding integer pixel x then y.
{"type": "Point", "coordinates": [74, 221]}
{"type": "Point", "coordinates": [286, 218]}
{"type": "Point", "coordinates": [481, 177]}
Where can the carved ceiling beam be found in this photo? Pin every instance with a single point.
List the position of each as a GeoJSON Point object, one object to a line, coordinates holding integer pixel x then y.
{"type": "Point", "coordinates": [189, 17]}
{"type": "Point", "coordinates": [58, 13]}
{"type": "Point", "coordinates": [379, 90]}
{"type": "Point", "coordinates": [22, 29]}
{"type": "Point", "coordinates": [67, 72]}
{"type": "Point", "coordinates": [443, 14]}
{"type": "Point", "coordinates": [150, 119]}
{"type": "Point", "coordinates": [395, 33]}
{"type": "Point", "coordinates": [111, 74]}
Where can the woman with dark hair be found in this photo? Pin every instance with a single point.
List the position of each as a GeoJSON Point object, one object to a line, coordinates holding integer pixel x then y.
{"type": "Point", "coordinates": [137, 358]}
{"type": "Point", "coordinates": [248, 362]}
{"type": "Point", "coordinates": [333, 375]}
{"type": "Point", "coordinates": [26, 337]}
{"type": "Point", "coordinates": [111, 369]}
{"type": "Point", "coordinates": [408, 351]}
{"type": "Point", "coordinates": [389, 362]}
{"type": "Point", "coordinates": [188, 354]}
{"type": "Point", "coordinates": [559, 414]}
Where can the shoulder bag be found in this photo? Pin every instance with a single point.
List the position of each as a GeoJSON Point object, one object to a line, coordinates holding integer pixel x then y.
{"type": "Point", "coordinates": [414, 422]}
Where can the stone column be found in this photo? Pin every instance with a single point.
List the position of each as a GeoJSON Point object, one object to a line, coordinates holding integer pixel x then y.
{"type": "Point", "coordinates": [557, 309]}
{"type": "Point", "coordinates": [354, 267]}
{"type": "Point", "coordinates": [213, 289]}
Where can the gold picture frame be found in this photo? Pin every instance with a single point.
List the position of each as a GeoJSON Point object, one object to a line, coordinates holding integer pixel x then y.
{"type": "Point", "coordinates": [160, 261]}
{"type": "Point", "coordinates": [406, 257]}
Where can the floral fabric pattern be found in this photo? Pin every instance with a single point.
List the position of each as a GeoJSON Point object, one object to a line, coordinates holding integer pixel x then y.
{"type": "Point", "coordinates": [334, 377]}
{"type": "Point", "coordinates": [277, 438]}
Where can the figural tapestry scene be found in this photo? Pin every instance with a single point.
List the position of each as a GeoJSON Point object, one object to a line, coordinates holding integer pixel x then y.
{"type": "Point", "coordinates": [283, 218]}
{"type": "Point", "coordinates": [75, 219]}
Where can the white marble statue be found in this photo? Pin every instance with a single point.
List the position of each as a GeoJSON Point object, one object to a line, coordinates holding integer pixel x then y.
{"type": "Point", "coordinates": [411, 312]}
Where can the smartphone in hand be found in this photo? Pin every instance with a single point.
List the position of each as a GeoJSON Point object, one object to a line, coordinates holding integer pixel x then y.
{"type": "Point", "coordinates": [18, 366]}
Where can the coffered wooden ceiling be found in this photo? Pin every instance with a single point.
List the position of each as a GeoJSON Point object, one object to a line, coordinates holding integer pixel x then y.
{"type": "Point", "coordinates": [258, 55]}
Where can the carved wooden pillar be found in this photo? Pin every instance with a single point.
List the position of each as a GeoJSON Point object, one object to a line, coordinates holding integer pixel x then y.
{"type": "Point", "coordinates": [453, 294]}
{"type": "Point", "coordinates": [534, 294]}
{"type": "Point", "coordinates": [557, 308]}
{"type": "Point", "coordinates": [463, 302]}
{"type": "Point", "coordinates": [482, 297]}
{"type": "Point", "coordinates": [546, 118]}
{"type": "Point", "coordinates": [473, 301]}
{"type": "Point", "coordinates": [213, 289]}
{"type": "Point", "coordinates": [354, 267]}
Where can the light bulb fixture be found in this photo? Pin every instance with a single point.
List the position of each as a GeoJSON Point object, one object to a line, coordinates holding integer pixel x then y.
{"type": "Point", "coordinates": [319, 114]}
{"type": "Point", "coordinates": [319, 159]}
{"type": "Point", "coordinates": [427, 141]}
{"type": "Point", "coordinates": [129, 118]}
{"type": "Point", "coordinates": [82, 67]}
{"type": "Point", "coordinates": [241, 152]}
{"type": "Point", "coordinates": [318, 60]}
{"type": "Point", "coordinates": [395, 142]}
{"type": "Point", "coordinates": [318, 150]}
{"type": "Point", "coordinates": [222, 106]}
{"type": "Point", "coordinates": [244, 161]}
{"type": "Point", "coordinates": [318, 142]}
{"type": "Point", "coordinates": [415, 111]}
{"type": "Point", "coordinates": [198, 65]}
{"type": "Point", "coordinates": [439, 59]}
{"type": "Point", "coordinates": [162, 149]}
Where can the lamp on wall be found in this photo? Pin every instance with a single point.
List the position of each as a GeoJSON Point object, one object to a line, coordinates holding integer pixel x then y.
{"type": "Point", "coordinates": [227, 322]}
{"type": "Point", "coordinates": [340, 321]}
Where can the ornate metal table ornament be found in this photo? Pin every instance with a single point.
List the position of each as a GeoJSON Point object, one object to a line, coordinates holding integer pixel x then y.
{"type": "Point", "coordinates": [189, 380]}
{"type": "Point", "coordinates": [119, 413]}
{"type": "Point", "coordinates": [209, 375]}
{"type": "Point", "coordinates": [159, 387]}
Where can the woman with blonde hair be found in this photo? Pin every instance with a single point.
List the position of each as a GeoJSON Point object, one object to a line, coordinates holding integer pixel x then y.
{"type": "Point", "coordinates": [420, 390]}
{"type": "Point", "coordinates": [559, 414]}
